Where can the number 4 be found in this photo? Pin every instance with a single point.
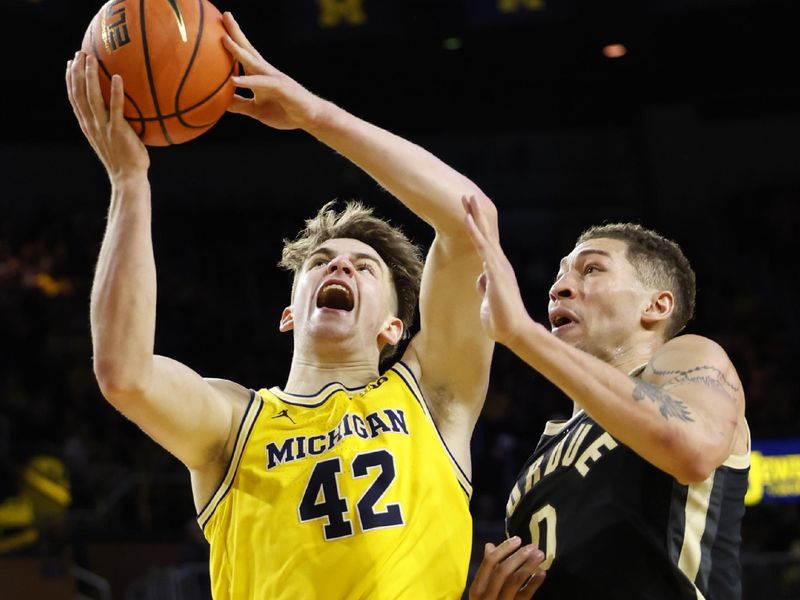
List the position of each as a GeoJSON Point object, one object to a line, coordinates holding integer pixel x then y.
{"type": "Point", "coordinates": [321, 499]}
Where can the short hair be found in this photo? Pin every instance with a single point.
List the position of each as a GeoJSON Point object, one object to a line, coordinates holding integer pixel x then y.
{"type": "Point", "coordinates": [357, 221]}
{"type": "Point", "coordinates": [659, 263]}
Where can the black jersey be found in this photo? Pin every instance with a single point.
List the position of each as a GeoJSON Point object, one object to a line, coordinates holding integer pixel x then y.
{"type": "Point", "coordinates": [613, 526]}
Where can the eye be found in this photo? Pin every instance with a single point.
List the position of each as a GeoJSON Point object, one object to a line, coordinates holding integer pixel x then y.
{"type": "Point", "coordinates": [590, 268]}
{"type": "Point", "coordinates": [317, 262]}
{"type": "Point", "coordinates": [366, 266]}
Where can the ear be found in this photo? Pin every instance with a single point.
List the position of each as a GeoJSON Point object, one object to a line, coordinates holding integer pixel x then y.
{"type": "Point", "coordinates": [391, 333]}
{"type": "Point", "coordinates": [659, 309]}
{"type": "Point", "coordinates": [287, 320]}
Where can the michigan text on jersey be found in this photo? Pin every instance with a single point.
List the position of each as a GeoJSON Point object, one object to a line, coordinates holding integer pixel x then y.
{"type": "Point", "coordinates": [393, 420]}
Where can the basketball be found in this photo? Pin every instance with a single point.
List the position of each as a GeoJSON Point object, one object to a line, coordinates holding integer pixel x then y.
{"type": "Point", "coordinates": [175, 70]}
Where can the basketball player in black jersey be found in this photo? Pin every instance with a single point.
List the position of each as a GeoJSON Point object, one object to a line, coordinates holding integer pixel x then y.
{"type": "Point", "coordinates": [640, 494]}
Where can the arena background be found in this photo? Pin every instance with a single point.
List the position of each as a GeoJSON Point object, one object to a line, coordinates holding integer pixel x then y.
{"type": "Point", "coordinates": [695, 131]}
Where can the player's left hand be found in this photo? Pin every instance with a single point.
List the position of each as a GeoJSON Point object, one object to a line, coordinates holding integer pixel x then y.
{"type": "Point", "coordinates": [502, 309]}
{"type": "Point", "coordinates": [278, 100]}
{"type": "Point", "coordinates": [508, 572]}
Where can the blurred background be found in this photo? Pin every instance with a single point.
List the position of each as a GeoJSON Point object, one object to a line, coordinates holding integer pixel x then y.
{"type": "Point", "coordinates": [682, 115]}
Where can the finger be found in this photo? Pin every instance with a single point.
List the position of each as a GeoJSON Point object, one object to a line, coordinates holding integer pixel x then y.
{"type": "Point", "coordinates": [482, 282]}
{"type": "Point", "coordinates": [97, 105]}
{"type": "Point", "coordinates": [78, 92]}
{"type": "Point", "coordinates": [252, 63]}
{"type": "Point", "coordinates": [517, 581]}
{"type": "Point", "coordinates": [240, 39]}
{"type": "Point", "coordinates": [534, 583]}
{"type": "Point", "coordinates": [257, 83]}
{"type": "Point", "coordinates": [475, 235]}
{"type": "Point", "coordinates": [481, 219]}
{"type": "Point", "coordinates": [117, 100]}
{"type": "Point", "coordinates": [492, 555]}
{"type": "Point", "coordinates": [70, 79]}
{"type": "Point", "coordinates": [507, 581]}
{"type": "Point", "coordinates": [241, 105]}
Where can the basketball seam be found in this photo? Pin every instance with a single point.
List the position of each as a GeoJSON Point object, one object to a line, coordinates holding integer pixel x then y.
{"type": "Point", "coordinates": [149, 70]}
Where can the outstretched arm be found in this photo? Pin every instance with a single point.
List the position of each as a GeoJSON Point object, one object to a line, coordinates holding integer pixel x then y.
{"type": "Point", "coordinates": [682, 414]}
{"type": "Point", "coordinates": [451, 354]}
{"type": "Point", "coordinates": [180, 410]}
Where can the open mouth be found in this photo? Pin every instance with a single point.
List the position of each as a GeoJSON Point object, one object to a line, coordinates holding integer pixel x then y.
{"type": "Point", "coordinates": [336, 296]}
{"type": "Point", "coordinates": [560, 321]}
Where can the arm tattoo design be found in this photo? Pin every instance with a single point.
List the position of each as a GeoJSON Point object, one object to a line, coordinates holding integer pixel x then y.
{"type": "Point", "coordinates": [706, 375]}
{"type": "Point", "coordinates": [668, 405]}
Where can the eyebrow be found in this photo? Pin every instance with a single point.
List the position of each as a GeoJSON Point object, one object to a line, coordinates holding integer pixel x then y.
{"type": "Point", "coordinates": [583, 253]}
{"type": "Point", "coordinates": [329, 252]}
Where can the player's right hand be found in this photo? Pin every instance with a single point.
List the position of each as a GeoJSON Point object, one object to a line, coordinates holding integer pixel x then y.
{"type": "Point", "coordinates": [503, 312]}
{"type": "Point", "coordinates": [113, 139]}
{"type": "Point", "coordinates": [508, 572]}
{"type": "Point", "coordinates": [277, 100]}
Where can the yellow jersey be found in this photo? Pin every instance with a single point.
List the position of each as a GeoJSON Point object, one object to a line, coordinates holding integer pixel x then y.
{"type": "Point", "coordinates": [347, 493]}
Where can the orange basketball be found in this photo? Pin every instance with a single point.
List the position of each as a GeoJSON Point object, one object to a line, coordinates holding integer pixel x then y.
{"type": "Point", "coordinates": [175, 70]}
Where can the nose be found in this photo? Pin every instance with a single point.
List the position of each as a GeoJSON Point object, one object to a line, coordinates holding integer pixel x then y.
{"type": "Point", "coordinates": [563, 287]}
{"type": "Point", "coordinates": [341, 264]}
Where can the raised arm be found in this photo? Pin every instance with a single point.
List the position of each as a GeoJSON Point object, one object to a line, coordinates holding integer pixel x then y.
{"type": "Point", "coordinates": [683, 414]}
{"type": "Point", "coordinates": [451, 354]}
{"type": "Point", "coordinates": [187, 415]}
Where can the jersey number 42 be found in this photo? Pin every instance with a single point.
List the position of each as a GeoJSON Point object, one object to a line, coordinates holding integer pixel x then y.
{"type": "Point", "coordinates": [322, 500]}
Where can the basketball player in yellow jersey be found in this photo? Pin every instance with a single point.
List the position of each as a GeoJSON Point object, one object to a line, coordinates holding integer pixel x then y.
{"type": "Point", "coordinates": [344, 482]}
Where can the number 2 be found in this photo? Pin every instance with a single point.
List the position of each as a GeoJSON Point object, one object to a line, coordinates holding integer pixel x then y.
{"type": "Point", "coordinates": [322, 500]}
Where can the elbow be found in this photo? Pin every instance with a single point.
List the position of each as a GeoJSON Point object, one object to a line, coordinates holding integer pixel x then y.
{"type": "Point", "coordinates": [695, 465]}
{"type": "Point", "coordinates": [688, 459]}
{"type": "Point", "coordinates": [116, 383]}
{"type": "Point", "coordinates": [694, 472]}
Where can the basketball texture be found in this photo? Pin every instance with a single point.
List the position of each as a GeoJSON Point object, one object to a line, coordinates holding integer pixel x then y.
{"type": "Point", "coordinates": [175, 70]}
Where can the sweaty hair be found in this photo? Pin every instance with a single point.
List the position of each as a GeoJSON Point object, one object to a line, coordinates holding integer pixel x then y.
{"type": "Point", "coordinates": [659, 263]}
{"type": "Point", "coordinates": [356, 221]}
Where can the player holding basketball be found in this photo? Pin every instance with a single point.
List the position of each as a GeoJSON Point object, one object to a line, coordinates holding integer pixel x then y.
{"type": "Point", "coordinates": [345, 482]}
{"type": "Point", "coordinates": [640, 494]}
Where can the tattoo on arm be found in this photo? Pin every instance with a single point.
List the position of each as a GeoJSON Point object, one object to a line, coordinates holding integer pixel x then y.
{"type": "Point", "coordinates": [706, 375]}
{"type": "Point", "coordinates": [668, 405]}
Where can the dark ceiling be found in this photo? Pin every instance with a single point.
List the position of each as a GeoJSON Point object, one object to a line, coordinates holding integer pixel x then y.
{"type": "Point", "coordinates": [529, 69]}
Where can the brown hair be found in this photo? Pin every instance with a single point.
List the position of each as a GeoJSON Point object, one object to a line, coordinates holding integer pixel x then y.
{"type": "Point", "coordinates": [356, 221]}
{"type": "Point", "coordinates": [659, 263]}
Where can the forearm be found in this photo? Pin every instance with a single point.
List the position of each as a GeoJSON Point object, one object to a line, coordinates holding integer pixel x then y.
{"type": "Point", "coordinates": [123, 300]}
{"type": "Point", "coordinates": [426, 185]}
{"type": "Point", "coordinates": [655, 424]}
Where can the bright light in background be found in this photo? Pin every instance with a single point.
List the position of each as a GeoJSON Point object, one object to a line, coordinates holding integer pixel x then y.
{"type": "Point", "coordinates": [614, 50]}
{"type": "Point", "coordinates": [452, 43]}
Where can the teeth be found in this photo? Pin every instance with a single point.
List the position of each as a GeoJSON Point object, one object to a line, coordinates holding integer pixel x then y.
{"type": "Point", "coordinates": [336, 286]}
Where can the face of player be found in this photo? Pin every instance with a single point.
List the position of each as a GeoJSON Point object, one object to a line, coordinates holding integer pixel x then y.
{"type": "Point", "coordinates": [344, 294]}
{"type": "Point", "coordinates": [597, 301]}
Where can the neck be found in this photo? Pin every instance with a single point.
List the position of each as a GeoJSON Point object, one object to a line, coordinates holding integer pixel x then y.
{"type": "Point", "coordinates": [307, 376]}
{"type": "Point", "coordinates": [628, 358]}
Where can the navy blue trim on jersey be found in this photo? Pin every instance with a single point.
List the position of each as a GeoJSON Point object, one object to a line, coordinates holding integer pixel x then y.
{"type": "Point", "coordinates": [421, 400]}
{"type": "Point", "coordinates": [339, 386]}
{"type": "Point", "coordinates": [230, 460]}
{"type": "Point", "coordinates": [317, 405]}
{"type": "Point", "coordinates": [319, 391]}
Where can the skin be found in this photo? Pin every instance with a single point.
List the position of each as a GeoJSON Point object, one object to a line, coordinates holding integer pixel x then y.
{"type": "Point", "coordinates": [196, 418]}
{"type": "Point", "coordinates": [685, 412]}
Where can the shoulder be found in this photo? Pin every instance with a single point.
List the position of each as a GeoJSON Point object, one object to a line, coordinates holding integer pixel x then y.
{"type": "Point", "coordinates": [693, 359]}
{"type": "Point", "coordinates": [690, 349]}
{"type": "Point", "coordinates": [236, 396]}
